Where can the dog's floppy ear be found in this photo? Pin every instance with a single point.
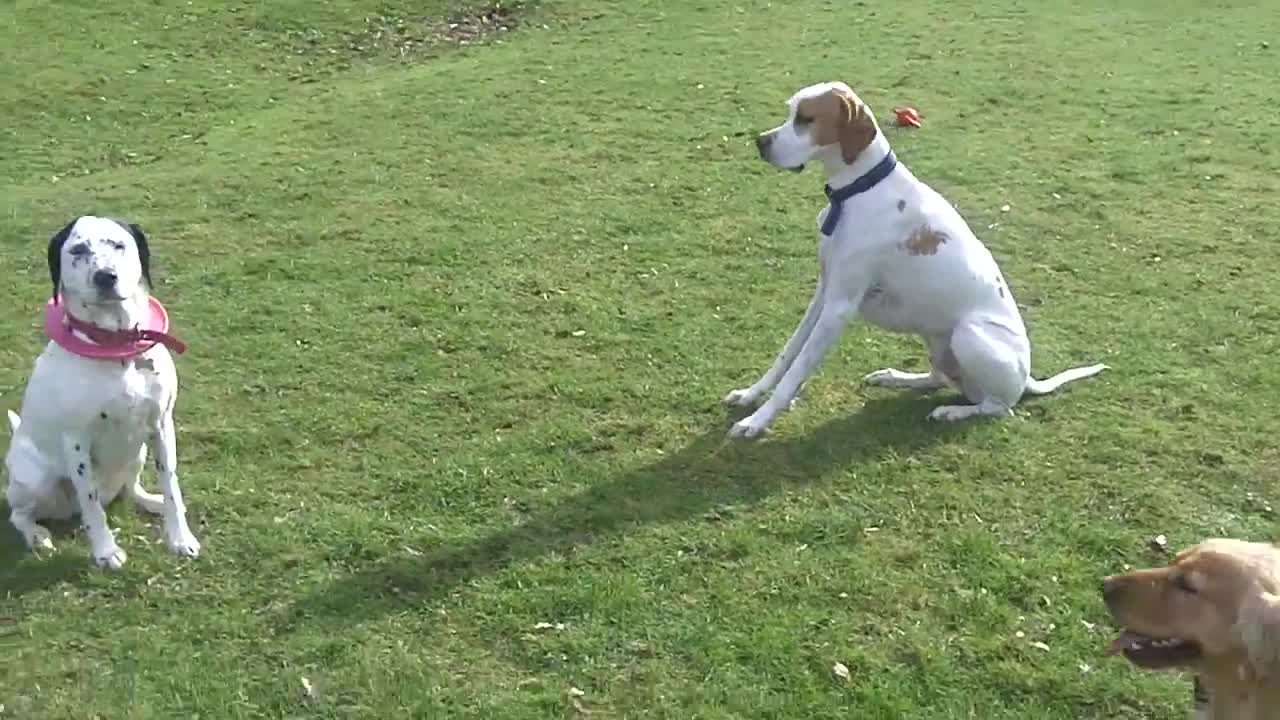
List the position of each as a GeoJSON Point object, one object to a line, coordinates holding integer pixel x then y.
{"type": "Point", "coordinates": [857, 127]}
{"type": "Point", "coordinates": [55, 254]}
{"type": "Point", "coordinates": [1259, 628]}
{"type": "Point", "coordinates": [144, 251]}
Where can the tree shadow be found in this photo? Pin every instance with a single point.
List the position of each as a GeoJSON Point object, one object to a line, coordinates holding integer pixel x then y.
{"type": "Point", "coordinates": [708, 473]}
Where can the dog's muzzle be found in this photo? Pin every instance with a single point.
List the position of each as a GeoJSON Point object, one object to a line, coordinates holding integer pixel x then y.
{"type": "Point", "coordinates": [763, 142]}
{"type": "Point", "coordinates": [105, 280]}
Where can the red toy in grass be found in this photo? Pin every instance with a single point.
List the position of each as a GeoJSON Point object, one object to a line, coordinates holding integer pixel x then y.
{"type": "Point", "coordinates": [907, 116]}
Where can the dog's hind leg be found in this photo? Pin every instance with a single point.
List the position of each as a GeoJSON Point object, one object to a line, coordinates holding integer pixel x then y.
{"type": "Point", "coordinates": [28, 476]}
{"type": "Point", "coordinates": [894, 378]}
{"type": "Point", "coordinates": [943, 366]}
{"type": "Point", "coordinates": [993, 363]}
{"type": "Point", "coordinates": [22, 516]}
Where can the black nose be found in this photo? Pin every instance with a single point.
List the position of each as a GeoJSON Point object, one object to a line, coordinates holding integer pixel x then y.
{"type": "Point", "coordinates": [1110, 588]}
{"type": "Point", "coordinates": [104, 280]}
{"type": "Point", "coordinates": [763, 142]}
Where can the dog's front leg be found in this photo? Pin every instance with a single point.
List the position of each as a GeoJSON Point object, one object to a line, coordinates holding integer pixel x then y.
{"type": "Point", "coordinates": [750, 397]}
{"type": "Point", "coordinates": [835, 313]}
{"type": "Point", "coordinates": [102, 542]}
{"type": "Point", "coordinates": [164, 447]}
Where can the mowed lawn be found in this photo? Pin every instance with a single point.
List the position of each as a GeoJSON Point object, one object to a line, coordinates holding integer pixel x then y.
{"type": "Point", "coordinates": [461, 315]}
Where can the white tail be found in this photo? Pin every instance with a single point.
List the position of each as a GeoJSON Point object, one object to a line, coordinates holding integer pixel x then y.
{"type": "Point", "coordinates": [14, 421]}
{"type": "Point", "coordinates": [1044, 387]}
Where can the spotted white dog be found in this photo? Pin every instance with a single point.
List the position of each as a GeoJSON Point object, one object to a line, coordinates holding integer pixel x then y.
{"type": "Point", "coordinates": [102, 391]}
{"type": "Point", "coordinates": [895, 252]}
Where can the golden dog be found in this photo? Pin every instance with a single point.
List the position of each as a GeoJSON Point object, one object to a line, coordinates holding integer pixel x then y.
{"type": "Point", "coordinates": [1213, 611]}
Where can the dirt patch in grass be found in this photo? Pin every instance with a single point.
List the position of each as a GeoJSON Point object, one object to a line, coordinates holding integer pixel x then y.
{"type": "Point", "coordinates": [410, 38]}
{"type": "Point", "coordinates": [475, 24]}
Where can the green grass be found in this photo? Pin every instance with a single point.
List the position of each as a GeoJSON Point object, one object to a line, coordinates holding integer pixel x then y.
{"type": "Point", "coordinates": [460, 320]}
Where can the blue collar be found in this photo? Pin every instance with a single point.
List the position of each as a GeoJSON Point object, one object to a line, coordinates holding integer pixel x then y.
{"type": "Point", "coordinates": [866, 182]}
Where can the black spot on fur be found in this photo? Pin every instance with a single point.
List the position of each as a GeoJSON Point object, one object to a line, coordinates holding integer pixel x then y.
{"type": "Point", "coordinates": [79, 254]}
{"type": "Point", "coordinates": [80, 470]}
{"type": "Point", "coordinates": [93, 496]}
{"type": "Point", "coordinates": [902, 205]}
{"type": "Point", "coordinates": [77, 448]}
{"type": "Point", "coordinates": [104, 415]}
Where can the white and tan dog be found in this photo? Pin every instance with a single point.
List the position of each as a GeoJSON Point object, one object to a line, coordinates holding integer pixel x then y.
{"type": "Point", "coordinates": [896, 253]}
{"type": "Point", "coordinates": [102, 391]}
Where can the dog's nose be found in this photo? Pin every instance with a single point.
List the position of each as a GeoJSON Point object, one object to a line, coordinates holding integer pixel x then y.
{"type": "Point", "coordinates": [104, 279]}
{"type": "Point", "coordinates": [1110, 588]}
{"type": "Point", "coordinates": [763, 142]}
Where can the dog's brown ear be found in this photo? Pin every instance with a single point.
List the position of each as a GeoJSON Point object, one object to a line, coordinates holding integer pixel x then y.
{"type": "Point", "coordinates": [857, 127]}
{"type": "Point", "coordinates": [1259, 628]}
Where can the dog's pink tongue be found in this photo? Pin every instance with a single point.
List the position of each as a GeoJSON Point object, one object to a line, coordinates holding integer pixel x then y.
{"type": "Point", "coordinates": [1126, 641]}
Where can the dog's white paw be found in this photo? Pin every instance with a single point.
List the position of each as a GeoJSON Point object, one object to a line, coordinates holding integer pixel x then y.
{"type": "Point", "coordinates": [743, 398]}
{"type": "Point", "coordinates": [891, 378]}
{"type": "Point", "coordinates": [882, 378]}
{"type": "Point", "coordinates": [39, 539]}
{"type": "Point", "coordinates": [954, 413]}
{"type": "Point", "coordinates": [749, 428]}
{"type": "Point", "coordinates": [183, 544]}
{"type": "Point", "coordinates": [951, 413]}
{"type": "Point", "coordinates": [112, 558]}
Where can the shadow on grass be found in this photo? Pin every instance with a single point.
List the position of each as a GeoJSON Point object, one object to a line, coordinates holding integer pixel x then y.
{"type": "Point", "coordinates": [710, 472]}
{"type": "Point", "coordinates": [21, 571]}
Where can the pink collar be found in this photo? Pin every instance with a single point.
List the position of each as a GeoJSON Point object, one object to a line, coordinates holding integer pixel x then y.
{"type": "Point", "coordinates": [109, 344]}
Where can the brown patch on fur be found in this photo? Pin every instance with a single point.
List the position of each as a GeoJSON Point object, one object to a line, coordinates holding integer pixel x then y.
{"type": "Point", "coordinates": [1221, 596]}
{"type": "Point", "coordinates": [923, 241]}
{"type": "Point", "coordinates": [902, 205]}
{"type": "Point", "coordinates": [840, 117]}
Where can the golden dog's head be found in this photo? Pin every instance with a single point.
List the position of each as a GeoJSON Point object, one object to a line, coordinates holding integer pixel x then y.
{"type": "Point", "coordinates": [1215, 605]}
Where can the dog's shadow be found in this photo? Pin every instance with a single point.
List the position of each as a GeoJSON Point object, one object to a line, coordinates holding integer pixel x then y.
{"type": "Point", "coordinates": [22, 571]}
{"type": "Point", "coordinates": [707, 474]}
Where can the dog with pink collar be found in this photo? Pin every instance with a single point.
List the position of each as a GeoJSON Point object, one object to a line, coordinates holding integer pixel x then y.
{"type": "Point", "coordinates": [100, 396]}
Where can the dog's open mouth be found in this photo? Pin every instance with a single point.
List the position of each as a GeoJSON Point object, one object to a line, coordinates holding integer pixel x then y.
{"type": "Point", "coordinates": [1154, 653]}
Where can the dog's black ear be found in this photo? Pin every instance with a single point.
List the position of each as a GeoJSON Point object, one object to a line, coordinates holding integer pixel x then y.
{"type": "Point", "coordinates": [55, 254]}
{"type": "Point", "coordinates": [144, 251]}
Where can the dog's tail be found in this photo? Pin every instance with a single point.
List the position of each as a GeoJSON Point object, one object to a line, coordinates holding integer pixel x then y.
{"type": "Point", "coordinates": [14, 420]}
{"type": "Point", "coordinates": [1046, 386]}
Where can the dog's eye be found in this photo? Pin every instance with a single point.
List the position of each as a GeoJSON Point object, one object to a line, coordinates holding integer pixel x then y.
{"type": "Point", "coordinates": [1184, 585]}
{"type": "Point", "coordinates": [80, 249]}
{"type": "Point", "coordinates": [803, 119]}
{"type": "Point", "coordinates": [117, 245]}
